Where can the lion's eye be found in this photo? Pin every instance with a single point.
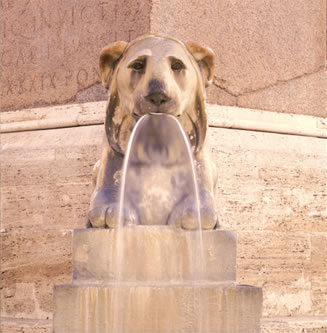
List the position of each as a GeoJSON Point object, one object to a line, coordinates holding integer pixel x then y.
{"type": "Point", "coordinates": [138, 65]}
{"type": "Point", "coordinates": [177, 66]}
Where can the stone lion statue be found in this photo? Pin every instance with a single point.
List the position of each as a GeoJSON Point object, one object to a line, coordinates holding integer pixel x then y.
{"type": "Point", "coordinates": [154, 74]}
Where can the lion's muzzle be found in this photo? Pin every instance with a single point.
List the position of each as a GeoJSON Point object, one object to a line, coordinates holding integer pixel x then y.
{"type": "Point", "coordinates": [156, 93]}
{"type": "Point", "coordinates": [156, 100]}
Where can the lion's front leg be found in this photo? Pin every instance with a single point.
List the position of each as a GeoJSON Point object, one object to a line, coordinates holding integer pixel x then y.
{"type": "Point", "coordinates": [104, 209]}
{"type": "Point", "coordinates": [185, 213]}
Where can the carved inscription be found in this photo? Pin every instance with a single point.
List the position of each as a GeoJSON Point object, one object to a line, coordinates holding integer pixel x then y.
{"type": "Point", "coordinates": [45, 17]}
{"type": "Point", "coordinates": [50, 49]}
{"type": "Point", "coordinates": [51, 80]}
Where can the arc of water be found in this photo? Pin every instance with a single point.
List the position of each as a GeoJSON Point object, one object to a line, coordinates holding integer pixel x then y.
{"type": "Point", "coordinates": [117, 324]}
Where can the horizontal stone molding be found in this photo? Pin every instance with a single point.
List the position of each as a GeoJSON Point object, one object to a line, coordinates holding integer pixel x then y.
{"type": "Point", "coordinates": [266, 121]}
{"type": "Point", "coordinates": [71, 115]}
{"type": "Point", "coordinates": [74, 115]}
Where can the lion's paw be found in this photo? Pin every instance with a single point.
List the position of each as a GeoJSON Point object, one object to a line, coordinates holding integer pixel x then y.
{"type": "Point", "coordinates": [186, 215]}
{"type": "Point", "coordinates": [108, 216]}
{"type": "Point", "coordinates": [190, 218]}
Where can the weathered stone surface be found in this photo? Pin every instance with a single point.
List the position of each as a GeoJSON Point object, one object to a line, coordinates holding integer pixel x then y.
{"type": "Point", "coordinates": [220, 96]}
{"type": "Point", "coordinates": [12, 326]}
{"type": "Point", "coordinates": [295, 325]}
{"type": "Point", "coordinates": [45, 207]}
{"type": "Point", "coordinates": [270, 181]}
{"type": "Point", "coordinates": [305, 95]}
{"type": "Point", "coordinates": [32, 262]}
{"type": "Point", "coordinates": [154, 253]}
{"type": "Point", "coordinates": [161, 309]}
{"type": "Point", "coordinates": [257, 43]}
{"type": "Point", "coordinates": [48, 185]}
{"type": "Point", "coordinates": [319, 274]}
{"type": "Point", "coordinates": [50, 50]}
{"type": "Point", "coordinates": [45, 193]}
{"type": "Point", "coordinates": [281, 263]}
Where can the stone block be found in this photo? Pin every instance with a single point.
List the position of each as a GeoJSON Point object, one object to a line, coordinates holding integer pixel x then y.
{"type": "Point", "coordinates": [249, 37]}
{"type": "Point", "coordinates": [319, 274]}
{"type": "Point", "coordinates": [31, 263]}
{"type": "Point", "coordinates": [50, 50]}
{"type": "Point", "coordinates": [144, 308]}
{"type": "Point", "coordinates": [281, 263]}
{"type": "Point", "coordinates": [153, 253]}
{"type": "Point", "coordinates": [304, 95]}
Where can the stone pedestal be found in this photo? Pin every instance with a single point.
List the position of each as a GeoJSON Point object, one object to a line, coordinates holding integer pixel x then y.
{"type": "Point", "coordinates": [163, 290]}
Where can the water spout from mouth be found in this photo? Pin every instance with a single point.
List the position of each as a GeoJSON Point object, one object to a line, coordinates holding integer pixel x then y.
{"type": "Point", "coordinates": [158, 169]}
{"type": "Point", "coordinates": [157, 142]}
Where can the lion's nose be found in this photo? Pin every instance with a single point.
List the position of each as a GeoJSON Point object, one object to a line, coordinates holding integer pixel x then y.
{"type": "Point", "coordinates": [157, 98]}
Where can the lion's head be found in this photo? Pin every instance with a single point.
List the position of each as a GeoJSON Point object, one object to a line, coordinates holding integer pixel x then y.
{"type": "Point", "coordinates": [155, 74]}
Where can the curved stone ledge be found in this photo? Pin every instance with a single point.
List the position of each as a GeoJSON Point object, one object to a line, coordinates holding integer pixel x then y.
{"type": "Point", "coordinates": [218, 116]}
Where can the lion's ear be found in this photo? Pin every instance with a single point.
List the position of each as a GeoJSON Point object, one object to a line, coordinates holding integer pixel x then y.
{"type": "Point", "coordinates": [108, 60]}
{"type": "Point", "coordinates": [205, 59]}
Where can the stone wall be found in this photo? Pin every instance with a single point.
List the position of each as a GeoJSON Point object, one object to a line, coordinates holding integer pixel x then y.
{"type": "Point", "coordinates": [271, 54]}
{"type": "Point", "coordinates": [272, 191]}
{"type": "Point", "coordinates": [267, 51]}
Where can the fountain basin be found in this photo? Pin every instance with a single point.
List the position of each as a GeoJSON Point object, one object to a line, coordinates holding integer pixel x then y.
{"type": "Point", "coordinates": [153, 254]}
{"type": "Point", "coordinates": [161, 309]}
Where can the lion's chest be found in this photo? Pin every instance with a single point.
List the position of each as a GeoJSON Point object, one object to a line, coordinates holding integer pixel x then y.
{"type": "Point", "coordinates": [154, 191]}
